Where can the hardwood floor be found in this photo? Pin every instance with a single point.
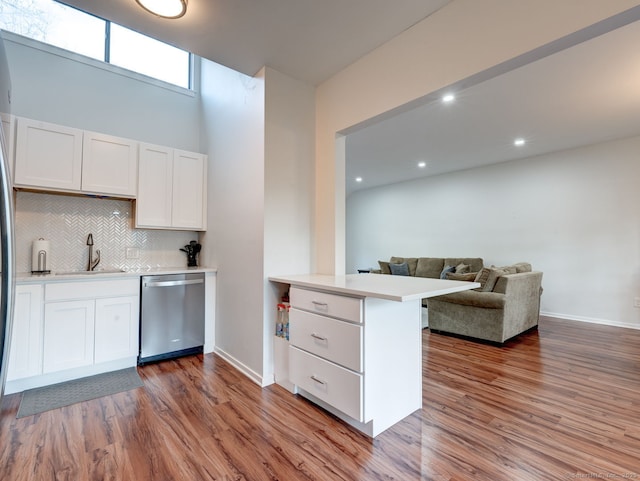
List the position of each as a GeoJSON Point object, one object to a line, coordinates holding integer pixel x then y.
{"type": "Point", "coordinates": [562, 402]}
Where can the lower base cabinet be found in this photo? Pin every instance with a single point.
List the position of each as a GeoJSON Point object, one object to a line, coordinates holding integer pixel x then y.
{"type": "Point", "coordinates": [66, 330]}
{"type": "Point", "coordinates": [68, 335]}
{"type": "Point", "coordinates": [25, 359]}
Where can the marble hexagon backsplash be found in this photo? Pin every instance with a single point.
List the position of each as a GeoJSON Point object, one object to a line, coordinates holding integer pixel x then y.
{"type": "Point", "coordinates": [66, 221]}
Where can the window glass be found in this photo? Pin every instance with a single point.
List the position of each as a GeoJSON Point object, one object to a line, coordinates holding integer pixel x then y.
{"type": "Point", "coordinates": [50, 22]}
{"type": "Point", "coordinates": [55, 24]}
{"type": "Point", "coordinates": [145, 55]}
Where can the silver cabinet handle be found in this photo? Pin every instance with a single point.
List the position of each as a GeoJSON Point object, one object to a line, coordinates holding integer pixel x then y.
{"type": "Point", "coordinates": [319, 381]}
{"type": "Point", "coordinates": [317, 303]}
{"type": "Point", "coordinates": [319, 338]}
{"type": "Point", "coordinates": [172, 283]}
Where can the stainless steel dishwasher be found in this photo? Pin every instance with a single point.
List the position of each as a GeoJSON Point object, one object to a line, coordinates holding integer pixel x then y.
{"type": "Point", "coordinates": [171, 316]}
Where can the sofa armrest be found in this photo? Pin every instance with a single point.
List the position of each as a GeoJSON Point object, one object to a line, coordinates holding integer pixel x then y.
{"type": "Point", "coordinates": [519, 285]}
{"type": "Point", "coordinates": [488, 300]}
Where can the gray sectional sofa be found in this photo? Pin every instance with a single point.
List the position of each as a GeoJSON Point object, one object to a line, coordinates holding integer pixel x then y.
{"type": "Point", "coordinates": [506, 304]}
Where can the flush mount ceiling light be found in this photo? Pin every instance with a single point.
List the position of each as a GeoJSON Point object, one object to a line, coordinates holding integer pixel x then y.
{"type": "Point", "coordinates": [165, 8]}
{"type": "Point", "coordinates": [422, 165]}
{"type": "Point", "coordinates": [448, 98]}
{"type": "Point", "coordinates": [519, 142]}
{"type": "Point", "coordinates": [358, 179]}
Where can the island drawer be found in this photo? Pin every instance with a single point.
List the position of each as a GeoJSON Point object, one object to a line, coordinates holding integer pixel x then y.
{"type": "Point", "coordinates": [326, 304]}
{"type": "Point", "coordinates": [333, 384]}
{"type": "Point", "coordinates": [334, 340]}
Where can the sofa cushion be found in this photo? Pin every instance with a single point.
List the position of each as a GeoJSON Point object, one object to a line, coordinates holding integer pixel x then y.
{"type": "Point", "coordinates": [447, 270]}
{"type": "Point", "coordinates": [469, 276]}
{"type": "Point", "coordinates": [487, 300]}
{"type": "Point", "coordinates": [384, 267]}
{"type": "Point", "coordinates": [412, 263]}
{"type": "Point", "coordinates": [399, 269]}
{"type": "Point", "coordinates": [430, 267]}
{"type": "Point", "coordinates": [475, 263]}
{"type": "Point", "coordinates": [522, 267]}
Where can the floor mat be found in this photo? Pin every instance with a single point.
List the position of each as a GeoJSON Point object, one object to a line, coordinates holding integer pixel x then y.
{"type": "Point", "coordinates": [46, 398]}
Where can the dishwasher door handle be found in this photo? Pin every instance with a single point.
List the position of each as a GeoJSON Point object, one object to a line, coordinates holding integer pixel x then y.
{"type": "Point", "coordinates": [173, 283]}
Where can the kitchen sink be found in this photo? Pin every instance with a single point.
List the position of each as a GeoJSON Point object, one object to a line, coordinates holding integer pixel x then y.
{"type": "Point", "coordinates": [103, 271]}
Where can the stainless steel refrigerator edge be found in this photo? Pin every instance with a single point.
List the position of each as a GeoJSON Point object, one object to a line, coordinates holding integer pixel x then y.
{"type": "Point", "coordinates": [6, 226]}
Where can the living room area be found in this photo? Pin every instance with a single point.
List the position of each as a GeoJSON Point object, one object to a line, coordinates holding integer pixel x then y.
{"type": "Point", "coordinates": [447, 179]}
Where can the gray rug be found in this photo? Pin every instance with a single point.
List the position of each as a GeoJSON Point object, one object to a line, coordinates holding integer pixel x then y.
{"type": "Point", "coordinates": [46, 398]}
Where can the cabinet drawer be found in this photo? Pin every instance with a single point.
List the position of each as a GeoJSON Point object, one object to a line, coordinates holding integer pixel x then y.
{"type": "Point", "coordinates": [337, 386]}
{"type": "Point", "coordinates": [337, 341]}
{"type": "Point", "coordinates": [342, 307]}
{"type": "Point", "coordinates": [57, 291]}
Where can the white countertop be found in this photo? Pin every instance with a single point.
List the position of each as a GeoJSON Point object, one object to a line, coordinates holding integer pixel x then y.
{"type": "Point", "coordinates": [28, 277]}
{"type": "Point", "coordinates": [394, 288]}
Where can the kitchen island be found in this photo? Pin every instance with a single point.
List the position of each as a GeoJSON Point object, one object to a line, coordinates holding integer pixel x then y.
{"type": "Point", "coordinates": [356, 345]}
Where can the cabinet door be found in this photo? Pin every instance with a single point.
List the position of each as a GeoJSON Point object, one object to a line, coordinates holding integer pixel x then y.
{"type": "Point", "coordinates": [9, 131]}
{"type": "Point", "coordinates": [25, 356]}
{"type": "Point", "coordinates": [109, 165]}
{"type": "Point", "coordinates": [155, 184]}
{"type": "Point", "coordinates": [68, 335]}
{"type": "Point", "coordinates": [116, 335]}
{"type": "Point", "coordinates": [189, 194]}
{"type": "Point", "coordinates": [48, 156]}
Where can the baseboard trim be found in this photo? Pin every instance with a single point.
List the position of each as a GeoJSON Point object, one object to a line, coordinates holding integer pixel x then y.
{"type": "Point", "coordinates": [243, 368]}
{"type": "Point", "coordinates": [590, 320]}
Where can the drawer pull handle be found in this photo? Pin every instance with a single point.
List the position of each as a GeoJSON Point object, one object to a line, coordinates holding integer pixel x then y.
{"type": "Point", "coordinates": [319, 381]}
{"type": "Point", "coordinates": [319, 338]}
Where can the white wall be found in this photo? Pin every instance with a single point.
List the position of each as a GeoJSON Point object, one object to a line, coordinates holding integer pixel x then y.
{"type": "Point", "coordinates": [458, 41]}
{"type": "Point", "coordinates": [233, 133]}
{"type": "Point", "coordinates": [259, 135]}
{"type": "Point", "coordinates": [53, 85]}
{"type": "Point", "coordinates": [572, 214]}
{"type": "Point", "coordinates": [289, 147]}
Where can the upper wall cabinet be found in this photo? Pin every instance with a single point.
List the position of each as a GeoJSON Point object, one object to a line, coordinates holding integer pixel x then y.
{"type": "Point", "coordinates": [54, 157]}
{"type": "Point", "coordinates": [48, 156]}
{"type": "Point", "coordinates": [109, 165]}
{"type": "Point", "coordinates": [171, 189]}
{"type": "Point", "coordinates": [9, 130]}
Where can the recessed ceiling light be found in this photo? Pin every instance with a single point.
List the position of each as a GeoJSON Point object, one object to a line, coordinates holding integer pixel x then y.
{"type": "Point", "coordinates": [422, 164]}
{"type": "Point", "coordinates": [358, 179]}
{"type": "Point", "coordinates": [519, 142]}
{"type": "Point", "coordinates": [448, 98]}
{"type": "Point", "coordinates": [165, 8]}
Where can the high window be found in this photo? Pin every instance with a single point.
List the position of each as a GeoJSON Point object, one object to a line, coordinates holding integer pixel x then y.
{"type": "Point", "coordinates": [51, 22]}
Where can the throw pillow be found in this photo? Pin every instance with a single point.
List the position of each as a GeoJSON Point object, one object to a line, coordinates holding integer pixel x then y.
{"type": "Point", "coordinates": [399, 269]}
{"type": "Point", "coordinates": [384, 267]}
{"type": "Point", "coordinates": [446, 270]}
{"type": "Point", "coordinates": [487, 277]}
{"type": "Point", "coordinates": [462, 268]}
{"type": "Point", "coordinates": [469, 276]}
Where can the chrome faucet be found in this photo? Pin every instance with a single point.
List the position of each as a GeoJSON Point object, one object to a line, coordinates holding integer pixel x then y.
{"type": "Point", "coordinates": [92, 262]}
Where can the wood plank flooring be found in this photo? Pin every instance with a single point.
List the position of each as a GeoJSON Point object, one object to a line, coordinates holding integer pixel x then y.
{"type": "Point", "coordinates": [559, 403]}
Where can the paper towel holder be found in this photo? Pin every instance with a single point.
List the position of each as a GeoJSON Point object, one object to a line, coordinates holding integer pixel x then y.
{"type": "Point", "coordinates": [41, 262]}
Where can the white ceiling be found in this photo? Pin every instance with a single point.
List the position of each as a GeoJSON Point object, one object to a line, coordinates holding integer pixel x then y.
{"type": "Point", "coordinates": [582, 95]}
{"type": "Point", "coordinates": [306, 39]}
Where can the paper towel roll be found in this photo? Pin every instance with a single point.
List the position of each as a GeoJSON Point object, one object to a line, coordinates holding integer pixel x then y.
{"type": "Point", "coordinates": [40, 260]}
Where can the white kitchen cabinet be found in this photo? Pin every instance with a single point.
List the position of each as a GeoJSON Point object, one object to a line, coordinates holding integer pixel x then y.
{"type": "Point", "coordinates": [155, 186]}
{"type": "Point", "coordinates": [48, 156]}
{"type": "Point", "coordinates": [109, 165]}
{"type": "Point", "coordinates": [25, 358]}
{"type": "Point", "coordinates": [171, 189]}
{"type": "Point", "coordinates": [357, 357]}
{"type": "Point", "coordinates": [68, 334]}
{"type": "Point", "coordinates": [116, 332]}
{"type": "Point", "coordinates": [9, 131]}
{"type": "Point", "coordinates": [90, 322]}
